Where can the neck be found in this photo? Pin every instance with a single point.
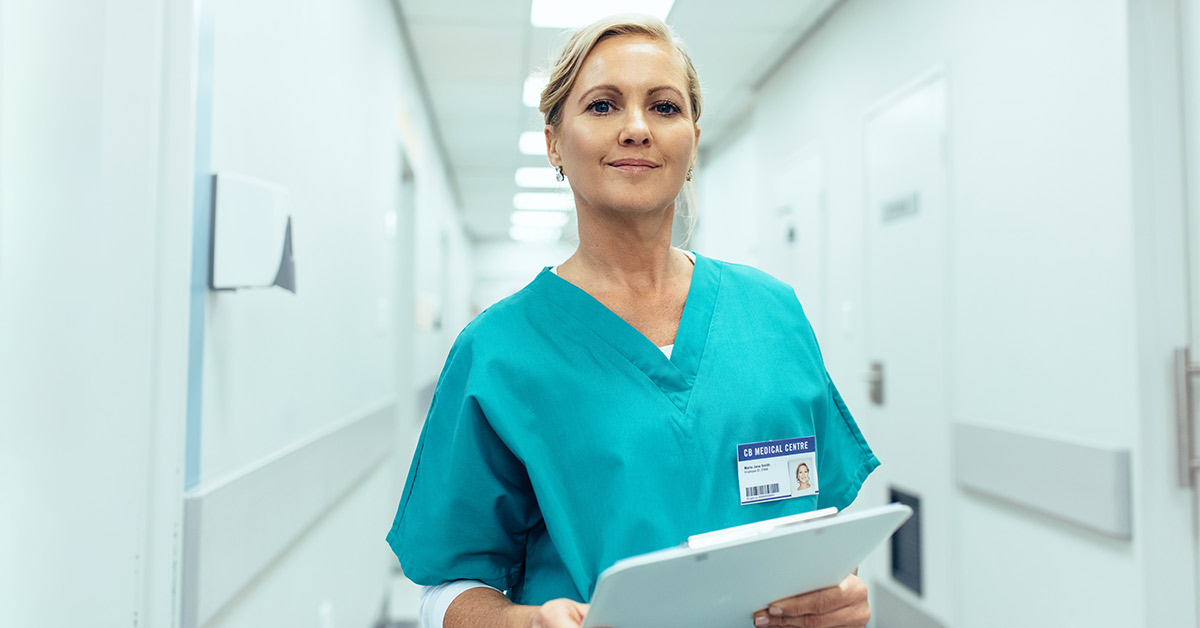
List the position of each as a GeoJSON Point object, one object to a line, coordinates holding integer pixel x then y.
{"type": "Point", "coordinates": [628, 252]}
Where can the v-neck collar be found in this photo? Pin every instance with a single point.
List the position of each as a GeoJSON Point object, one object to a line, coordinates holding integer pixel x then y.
{"type": "Point", "coordinates": [674, 376]}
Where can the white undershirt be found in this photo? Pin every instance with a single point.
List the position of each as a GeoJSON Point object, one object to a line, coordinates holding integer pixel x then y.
{"type": "Point", "coordinates": [435, 600]}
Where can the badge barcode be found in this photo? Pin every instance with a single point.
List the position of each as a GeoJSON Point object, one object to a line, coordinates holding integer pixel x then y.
{"type": "Point", "coordinates": [765, 489]}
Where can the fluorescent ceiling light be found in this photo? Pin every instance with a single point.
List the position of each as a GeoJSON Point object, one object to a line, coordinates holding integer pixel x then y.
{"type": "Point", "coordinates": [529, 218]}
{"type": "Point", "coordinates": [533, 90]}
{"type": "Point", "coordinates": [544, 177]}
{"type": "Point", "coordinates": [576, 13]}
{"type": "Point", "coordinates": [533, 143]}
{"type": "Point", "coordinates": [534, 234]}
{"type": "Point", "coordinates": [542, 200]}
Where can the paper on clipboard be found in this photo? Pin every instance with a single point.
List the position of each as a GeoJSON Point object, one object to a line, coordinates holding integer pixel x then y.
{"type": "Point", "coordinates": [717, 580]}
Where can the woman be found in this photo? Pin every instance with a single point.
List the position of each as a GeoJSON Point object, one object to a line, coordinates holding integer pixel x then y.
{"type": "Point", "coordinates": [570, 418]}
{"type": "Point", "coordinates": [802, 477]}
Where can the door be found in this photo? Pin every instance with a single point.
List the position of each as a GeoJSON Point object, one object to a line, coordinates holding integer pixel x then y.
{"type": "Point", "coordinates": [794, 233]}
{"type": "Point", "coordinates": [906, 338]}
{"type": "Point", "coordinates": [1189, 49]}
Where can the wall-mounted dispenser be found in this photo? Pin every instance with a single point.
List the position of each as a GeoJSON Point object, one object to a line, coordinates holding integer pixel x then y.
{"type": "Point", "coordinates": [252, 234]}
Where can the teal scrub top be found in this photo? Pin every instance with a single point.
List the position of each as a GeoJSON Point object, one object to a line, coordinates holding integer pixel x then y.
{"type": "Point", "coordinates": [560, 439]}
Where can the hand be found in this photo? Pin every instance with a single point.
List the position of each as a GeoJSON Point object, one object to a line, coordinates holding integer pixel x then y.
{"type": "Point", "coordinates": [560, 613]}
{"type": "Point", "coordinates": [843, 606]}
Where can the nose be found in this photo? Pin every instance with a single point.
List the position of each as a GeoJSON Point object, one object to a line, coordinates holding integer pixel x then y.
{"type": "Point", "coordinates": [635, 131]}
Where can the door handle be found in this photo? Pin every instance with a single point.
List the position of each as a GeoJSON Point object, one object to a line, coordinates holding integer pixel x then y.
{"type": "Point", "coordinates": [1185, 426]}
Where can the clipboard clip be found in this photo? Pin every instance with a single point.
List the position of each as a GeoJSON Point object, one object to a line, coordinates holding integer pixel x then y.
{"type": "Point", "coordinates": [717, 537]}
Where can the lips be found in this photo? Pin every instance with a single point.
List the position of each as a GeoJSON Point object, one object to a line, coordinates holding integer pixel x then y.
{"type": "Point", "coordinates": [633, 165]}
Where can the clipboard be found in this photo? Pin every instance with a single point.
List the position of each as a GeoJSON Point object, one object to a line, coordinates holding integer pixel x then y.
{"type": "Point", "coordinates": [719, 579]}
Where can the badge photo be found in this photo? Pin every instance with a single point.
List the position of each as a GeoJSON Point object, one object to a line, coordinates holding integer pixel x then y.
{"type": "Point", "coordinates": [802, 471]}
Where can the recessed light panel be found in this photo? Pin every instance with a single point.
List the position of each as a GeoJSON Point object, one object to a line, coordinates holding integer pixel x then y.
{"type": "Point", "coordinates": [533, 143]}
{"type": "Point", "coordinates": [528, 218]}
{"type": "Point", "coordinates": [575, 13]}
{"type": "Point", "coordinates": [545, 177]}
{"type": "Point", "coordinates": [534, 234]}
{"type": "Point", "coordinates": [533, 90]}
{"type": "Point", "coordinates": [542, 200]}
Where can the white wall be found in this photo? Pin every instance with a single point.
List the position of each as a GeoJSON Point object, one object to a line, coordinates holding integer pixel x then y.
{"type": "Point", "coordinates": [306, 99]}
{"type": "Point", "coordinates": [504, 267]}
{"type": "Point", "coordinates": [97, 129]}
{"type": "Point", "coordinates": [1042, 287]}
{"type": "Point", "coordinates": [95, 197]}
{"type": "Point", "coordinates": [444, 281]}
{"type": "Point", "coordinates": [311, 99]}
{"type": "Point", "coordinates": [331, 572]}
{"type": "Point", "coordinates": [728, 219]}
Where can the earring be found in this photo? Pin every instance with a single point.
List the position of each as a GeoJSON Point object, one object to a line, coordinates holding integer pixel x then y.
{"type": "Point", "coordinates": [689, 174]}
{"type": "Point", "coordinates": [559, 176]}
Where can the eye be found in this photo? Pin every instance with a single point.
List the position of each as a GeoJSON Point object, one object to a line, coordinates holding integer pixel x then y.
{"type": "Point", "coordinates": [600, 106]}
{"type": "Point", "coordinates": [667, 108]}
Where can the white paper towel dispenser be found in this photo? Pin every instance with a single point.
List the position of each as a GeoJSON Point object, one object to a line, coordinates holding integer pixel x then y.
{"type": "Point", "coordinates": [252, 234]}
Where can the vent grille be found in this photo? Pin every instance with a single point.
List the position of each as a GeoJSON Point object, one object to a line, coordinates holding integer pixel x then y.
{"type": "Point", "coordinates": [906, 544]}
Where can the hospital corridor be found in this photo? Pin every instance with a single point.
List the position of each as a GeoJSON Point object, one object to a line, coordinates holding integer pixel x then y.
{"type": "Point", "coordinates": [427, 313]}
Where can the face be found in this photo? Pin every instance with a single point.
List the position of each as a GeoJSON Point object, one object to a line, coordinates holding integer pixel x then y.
{"type": "Point", "coordinates": [802, 472]}
{"type": "Point", "coordinates": [626, 138]}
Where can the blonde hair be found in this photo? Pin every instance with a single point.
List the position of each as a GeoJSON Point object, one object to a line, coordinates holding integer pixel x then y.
{"type": "Point", "coordinates": [565, 70]}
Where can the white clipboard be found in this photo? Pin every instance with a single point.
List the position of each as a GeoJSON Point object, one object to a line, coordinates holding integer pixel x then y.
{"type": "Point", "coordinates": [719, 579]}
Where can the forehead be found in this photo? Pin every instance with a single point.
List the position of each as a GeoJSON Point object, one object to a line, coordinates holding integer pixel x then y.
{"type": "Point", "coordinates": [633, 61]}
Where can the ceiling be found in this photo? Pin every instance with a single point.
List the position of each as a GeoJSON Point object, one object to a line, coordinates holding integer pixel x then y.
{"type": "Point", "coordinates": [474, 56]}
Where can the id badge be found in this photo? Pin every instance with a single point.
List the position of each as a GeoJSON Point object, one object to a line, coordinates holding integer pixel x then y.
{"type": "Point", "coordinates": [777, 469]}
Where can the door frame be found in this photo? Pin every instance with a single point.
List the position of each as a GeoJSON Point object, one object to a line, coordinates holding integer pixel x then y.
{"type": "Point", "coordinates": [1165, 514]}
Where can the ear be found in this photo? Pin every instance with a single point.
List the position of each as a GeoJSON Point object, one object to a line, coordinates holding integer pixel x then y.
{"type": "Point", "coordinates": [695, 147]}
{"type": "Point", "coordinates": [552, 147]}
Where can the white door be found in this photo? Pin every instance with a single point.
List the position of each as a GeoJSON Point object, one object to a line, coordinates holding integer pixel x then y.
{"type": "Point", "coordinates": [905, 317]}
{"type": "Point", "coordinates": [794, 235]}
{"type": "Point", "coordinates": [1190, 74]}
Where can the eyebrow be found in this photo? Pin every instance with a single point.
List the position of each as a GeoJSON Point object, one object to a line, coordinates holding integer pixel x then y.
{"type": "Point", "coordinates": [614, 88]}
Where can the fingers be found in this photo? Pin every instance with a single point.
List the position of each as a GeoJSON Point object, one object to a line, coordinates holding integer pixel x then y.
{"type": "Point", "coordinates": [843, 605]}
{"type": "Point", "coordinates": [848, 617]}
{"type": "Point", "coordinates": [561, 613]}
{"type": "Point", "coordinates": [850, 591]}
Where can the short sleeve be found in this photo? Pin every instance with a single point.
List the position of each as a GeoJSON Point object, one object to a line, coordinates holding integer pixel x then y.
{"type": "Point", "coordinates": [467, 506]}
{"type": "Point", "coordinates": [844, 458]}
